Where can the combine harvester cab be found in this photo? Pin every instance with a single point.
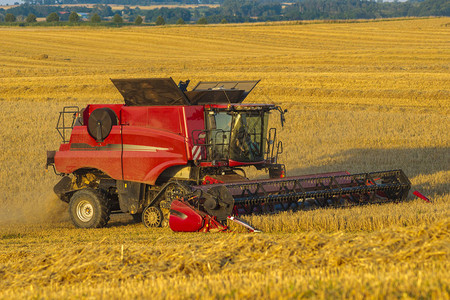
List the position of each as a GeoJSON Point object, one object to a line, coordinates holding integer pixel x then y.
{"type": "Point", "coordinates": [166, 143]}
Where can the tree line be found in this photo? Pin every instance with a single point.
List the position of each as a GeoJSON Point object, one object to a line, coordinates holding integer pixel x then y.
{"type": "Point", "coordinates": [233, 11]}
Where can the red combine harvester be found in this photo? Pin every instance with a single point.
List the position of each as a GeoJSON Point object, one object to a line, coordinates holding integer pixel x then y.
{"type": "Point", "coordinates": [174, 156]}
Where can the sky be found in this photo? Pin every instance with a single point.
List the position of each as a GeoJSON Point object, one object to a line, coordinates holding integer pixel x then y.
{"type": "Point", "coordinates": [10, 2]}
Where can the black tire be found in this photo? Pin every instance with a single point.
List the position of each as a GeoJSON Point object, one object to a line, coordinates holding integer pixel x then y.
{"type": "Point", "coordinates": [88, 208]}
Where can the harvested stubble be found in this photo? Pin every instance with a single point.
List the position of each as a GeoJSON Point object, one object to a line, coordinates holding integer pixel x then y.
{"type": "Point", "coordinates": [357, 219]}
{"type": "Point", "coordinates": [361, 97]}
{"type": "Point", "coordinates": [411, 262]}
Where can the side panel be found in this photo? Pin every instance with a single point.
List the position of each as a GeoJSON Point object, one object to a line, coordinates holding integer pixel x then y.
{"type": "Point", "coordinates": [166, 118]}
{"type": "Point", "coordinates": [84, 152]}
{"type": "Point", "coordinates": [153, 140]}
{"type": "Point", "coordinates": [147, 152]}
{"type": "Point", "coordinates": [147, 141]}
{"type": "Point", "coordinates": [195, 124]}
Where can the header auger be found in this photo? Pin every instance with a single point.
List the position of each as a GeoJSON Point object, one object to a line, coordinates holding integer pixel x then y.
{"type": "Point", "coordinates": [169, 155]}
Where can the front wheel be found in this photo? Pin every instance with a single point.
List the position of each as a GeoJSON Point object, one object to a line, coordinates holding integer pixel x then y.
{"type": "Point", "coordinates": [152, 216]}
{"type": "Point", "coordinates": [88, 208]}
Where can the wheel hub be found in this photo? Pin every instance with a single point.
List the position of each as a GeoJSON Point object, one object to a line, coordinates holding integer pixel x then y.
{"type": "Point", "coordinates": [85, 211]}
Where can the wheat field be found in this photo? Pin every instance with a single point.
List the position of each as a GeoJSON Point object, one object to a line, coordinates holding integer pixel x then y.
{"type": "Point", "coordinates": [361, 96]}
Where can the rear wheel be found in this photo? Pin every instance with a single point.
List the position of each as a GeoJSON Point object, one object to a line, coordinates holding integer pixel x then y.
{"type": "Point", "coordinates": [88, 208]}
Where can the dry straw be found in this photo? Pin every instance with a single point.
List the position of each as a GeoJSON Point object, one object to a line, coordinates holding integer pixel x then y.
{"type": "Point", "coordinates": [361, 97]}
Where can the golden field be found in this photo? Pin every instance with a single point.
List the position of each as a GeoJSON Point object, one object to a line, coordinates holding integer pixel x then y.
{"type": "Point", "coordinates": [362, 96]}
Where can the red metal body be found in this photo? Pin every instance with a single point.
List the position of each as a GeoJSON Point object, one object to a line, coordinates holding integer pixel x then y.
{"type": "Point", "coordinates": [146, 141]}
{"type": "Point", "coordinates": [185, 218]}
{"type": "Point", "coordinates": [419, 194]}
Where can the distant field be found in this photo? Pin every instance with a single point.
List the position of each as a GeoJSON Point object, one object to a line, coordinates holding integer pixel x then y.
{"type": "Point", "coordinates": [361, 97]}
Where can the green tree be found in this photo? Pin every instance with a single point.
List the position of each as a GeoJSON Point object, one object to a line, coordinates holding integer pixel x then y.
{"type": "Point", "coordinates": [181, 21]}
{"type": "Point", "coordinates": [96, 18]}
{"type": "Point", "coordinates": [53, 17]}
{"type": "Point", "coordinates": [102, 10]}
{"type": "Point", "coordinates": [202, 20]}
{"type": "Point", "coordinates": [74, 17]}
{"type": "Point", "coordinates": [160, 21]}
{"type": "Point", "coordinates": [224, 21]}
{"type": "Point", "coordinates": [138, 20]}
{"type": "Point", "coordinates": [9, 18]}
{"type": "Point", "coordinates": [117, 19]}
{"type": "Point", "coordinates": [31, 18]}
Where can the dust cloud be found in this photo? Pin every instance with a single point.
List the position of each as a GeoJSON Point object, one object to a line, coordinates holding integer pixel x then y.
{"type": "Point", "coordinates": [43, 209]}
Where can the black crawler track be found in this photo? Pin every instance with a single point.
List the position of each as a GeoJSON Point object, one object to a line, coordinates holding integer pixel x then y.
{"type": "Point", "coordinates": [322, 190]}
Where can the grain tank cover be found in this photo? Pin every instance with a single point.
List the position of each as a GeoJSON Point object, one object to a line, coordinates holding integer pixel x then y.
{"type": "Point", "coordinates": [150, 92]}
{"type": "Point", "coordinates": [215, 96]}
{"type": "Point", "coordinates": [234, 91]}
